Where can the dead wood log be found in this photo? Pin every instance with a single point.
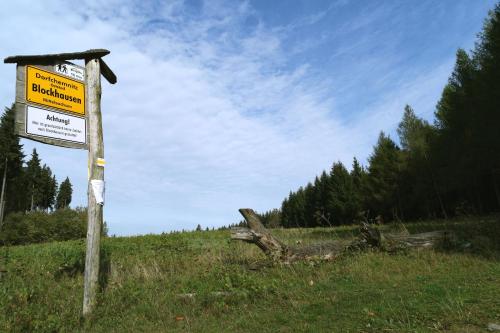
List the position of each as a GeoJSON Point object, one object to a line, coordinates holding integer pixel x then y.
{"type": "Point", "coordinates": [260, 236]}
{"type": "Point", "coordinates": [277, 250]}
{"type": "Point", "coordinates": [396, 241]}
{"type": "Point", "coordinates": [370, 236]}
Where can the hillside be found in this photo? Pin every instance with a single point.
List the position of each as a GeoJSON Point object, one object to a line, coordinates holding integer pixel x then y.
{"type": "Point", "coordinates": [202, 282]}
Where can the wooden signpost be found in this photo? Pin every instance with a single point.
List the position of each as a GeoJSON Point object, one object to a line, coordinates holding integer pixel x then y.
{"type": "Point", "coordinates": [59, 103]}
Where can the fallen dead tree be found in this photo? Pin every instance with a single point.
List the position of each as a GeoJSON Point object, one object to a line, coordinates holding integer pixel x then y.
{"type": "Point", "coordinates": [370, 236]}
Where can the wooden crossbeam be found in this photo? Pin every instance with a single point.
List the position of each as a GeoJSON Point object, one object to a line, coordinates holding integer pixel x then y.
{"type": "Point", "coordinates": [49, 58]}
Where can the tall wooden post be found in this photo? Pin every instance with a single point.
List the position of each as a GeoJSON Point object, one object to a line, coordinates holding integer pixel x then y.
{"type": "Point", "coordinates": [2, 196]}
{"type": "Point", "coordinates": [96, 150]}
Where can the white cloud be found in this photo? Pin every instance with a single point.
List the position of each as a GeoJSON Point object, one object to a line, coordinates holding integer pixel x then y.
{"type": "Point", "coordinates": [204, 119]}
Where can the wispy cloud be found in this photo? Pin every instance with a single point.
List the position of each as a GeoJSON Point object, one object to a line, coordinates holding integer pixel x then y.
{"type": "Point", "coordinates": [211, 113]}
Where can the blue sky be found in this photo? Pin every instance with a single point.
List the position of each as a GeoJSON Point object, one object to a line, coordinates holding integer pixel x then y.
{"type": "Point", "coordinates": [224, 104]}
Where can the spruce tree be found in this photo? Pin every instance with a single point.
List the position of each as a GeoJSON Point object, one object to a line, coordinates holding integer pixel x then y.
{"type": "Point", "coordinates": [358, 175]}
{"type": "Point", "coordinates": [321, 187]}
{"type": "Point", "coordinates": [11, 156]}
{"type": "Point", "coordinates": [457, 153]}
{"type": "Point", "coordinates": [48, 188]}
{"type": "Point", "coordinates": [419, 191]}
{"type": "Point", "coordinates": [341, 193]}
{"type": "Point", "coordinates": [309, 206]}
{"type": "Point", "coordinates": [487, 56]}
{"type": "Point", "coordinates": [382, 179]}
{"type": "Point", "coordinates": [64, 194]}
{"type": "Point", "coordinates": [300, 208]}
{"type": "Point", "coordinates": [285, 213]}
{"type": "Point", "coordinates": [297, 208]}
{"type": "Point", "coordinates": [34, 181]}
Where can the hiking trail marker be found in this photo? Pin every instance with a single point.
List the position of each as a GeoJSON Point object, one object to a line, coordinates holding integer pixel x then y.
{"type": "Point", "coordinates": [59, 103]}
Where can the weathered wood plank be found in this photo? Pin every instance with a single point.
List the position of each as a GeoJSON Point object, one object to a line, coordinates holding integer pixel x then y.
{"type": "Point", "coordinates": [50, 59]}
{"type": "Point", "coordinates": [43, 58]}
{"type": "Point", "coordinates": [107, 72]}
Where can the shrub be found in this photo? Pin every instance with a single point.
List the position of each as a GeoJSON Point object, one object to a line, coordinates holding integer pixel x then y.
{"type": "Point", "coordinates": [37, 227]}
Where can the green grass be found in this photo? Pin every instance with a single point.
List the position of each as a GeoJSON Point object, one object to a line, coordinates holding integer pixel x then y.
{"type": "Point", "coordinates": [453, 290]}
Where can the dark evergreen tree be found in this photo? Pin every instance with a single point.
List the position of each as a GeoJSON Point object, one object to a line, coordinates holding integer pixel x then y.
{"type": "Point", "coordinates": [11, 156]}
{"type": "Point", "coordinates": [293, 209]}
{"type": "Point", "coordinates": [358, 176]}
{"type": "Point", "coordinates": [383, 178]}
{"type": "Point", "coordinates": [34, 181]}
{"type": "Point", "coordinates": [285, 212]}
{"type": "Point", "coordinates": [309, 206]}
{"type": "Point", "coordinates": [64, 194]}
{"type": "Point", "coordinates": [487, 56]}
{"type": "Point", "coordinates": [455, 152]}
{"type": "Point", "coordinates": [41, 184]}
{"type": "Point", "coordinates": [420, 193]}
{"type": "Point", "coordinates": [341, 207]}
{"type": "Point", "coordinates": [299, 208]}
{"type": "Point", "coordinates": [321, 187]}
{"type": "Point", "coordinates": [48, 189]}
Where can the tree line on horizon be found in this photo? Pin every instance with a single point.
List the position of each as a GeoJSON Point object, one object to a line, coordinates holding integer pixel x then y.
{"type": "Point", "coordinates": [439, 170]}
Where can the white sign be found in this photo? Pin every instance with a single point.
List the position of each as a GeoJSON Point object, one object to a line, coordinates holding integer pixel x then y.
{"type": "Point", "coordinates": [55, 125]}
{"type": "Point", "coordinates": [71, 71]}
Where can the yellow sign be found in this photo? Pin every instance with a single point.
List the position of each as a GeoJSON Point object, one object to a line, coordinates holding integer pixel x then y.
{"type": "Point", "coordinates": [54, 90]}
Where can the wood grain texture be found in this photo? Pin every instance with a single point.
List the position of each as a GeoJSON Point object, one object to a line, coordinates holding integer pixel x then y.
{"type": "Point", "coordinates": [95, 211]}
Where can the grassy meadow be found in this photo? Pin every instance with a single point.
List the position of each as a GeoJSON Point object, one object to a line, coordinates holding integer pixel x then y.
{"type": "Point", "coordinates": [232, 287]}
